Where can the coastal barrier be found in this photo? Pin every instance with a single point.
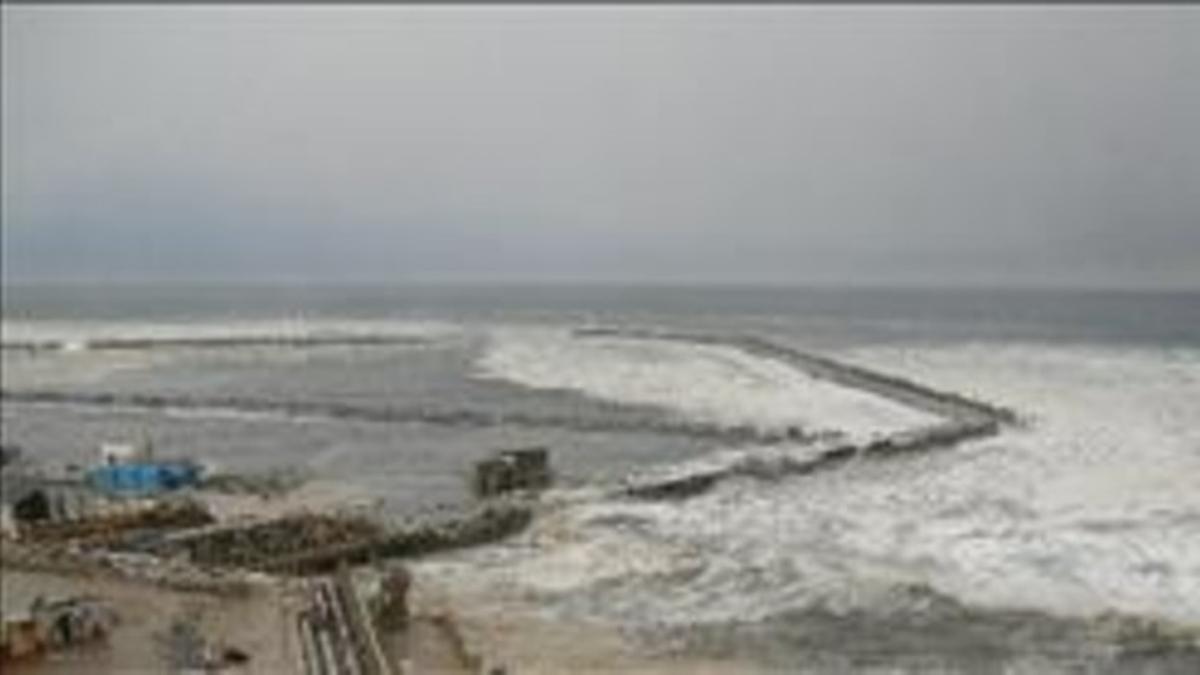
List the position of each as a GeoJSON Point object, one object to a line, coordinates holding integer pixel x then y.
{"type": "Point", "coordinates": [305, 544]}
{"type": "Point", "coordinates": [750, 465]}
{"type": "Point", "coordinates": [106, 527]}
{"type": "Point", "coordinates": [282, 341]}
{"type": "Point", "coordinates": [964, 419]}
{"type": "Point", "coordinates": [907, 392]}
{"type": "Point", "coordinates": [420, 414]}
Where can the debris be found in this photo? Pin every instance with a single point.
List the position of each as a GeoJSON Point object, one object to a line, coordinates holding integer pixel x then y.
{"type": "Point", "coordinates": [56, 624]}
{"type": "Point", "coordinates": [181, 645]}
{"type": "Point", "coordinates": [185, 648]}
{"type": "Point", "coordinates": [29, 499]}
{"type": "Point", "coordinates": [73, 621]}
{"type": "Point", "coordinates": [275, 543]}
{"type": "Point", "coordinates": [234, 656]}
{"type": "Point", "coordinates": [111, 454]}
{"type": "Point", "coordinates": [109, 525]}
{"type": "Point", "coordinates": [389, 607]}
{"type": "Point", "coordinates": [266, 484]}
{"type": "Point", "coordinates": [20, 639]}
{"type": "Point", "coordinates": [173, 574]}
{"type": "Point", "coordinates": [32, 507]}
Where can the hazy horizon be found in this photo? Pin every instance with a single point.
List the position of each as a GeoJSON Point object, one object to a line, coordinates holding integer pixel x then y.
{"type": "Point", "coordinates": [915, 147]}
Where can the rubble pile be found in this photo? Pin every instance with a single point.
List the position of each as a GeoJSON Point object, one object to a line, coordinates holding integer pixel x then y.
{"type": "Point", "coordinates": [108, 527]}
{"type": "Point", "coordinates": [490, 521]}
{"type": "Point", "coordinates": [306, 544]}
{"type": "Point", "coordinates": [55, 624]}
{"type": "Point", "coordinates": [267, 545]}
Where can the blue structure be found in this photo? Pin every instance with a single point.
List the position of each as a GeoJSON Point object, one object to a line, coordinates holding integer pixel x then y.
{"type": "Point", "coordinates": [144, 478]}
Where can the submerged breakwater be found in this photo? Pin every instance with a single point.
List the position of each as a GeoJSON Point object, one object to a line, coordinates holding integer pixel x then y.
{"type": "Point", "coordinates": [383, 414]}
{"type": "Point", "coordinates": [277, 341]}
{"type": "Point", "coordinates": [952, 418]}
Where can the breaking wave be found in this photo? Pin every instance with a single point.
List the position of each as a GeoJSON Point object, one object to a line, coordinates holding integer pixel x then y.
{"type": "Point", "coordinates": [1040, 547]}
{"type": "Point", "coordinates": [914, 628]}
{"type": "Point", "coordinates": [714, 383]}
{"type": "Point", "coordinates": [126, 335]}
{"type": "Point", "coordinates": [391, 414]}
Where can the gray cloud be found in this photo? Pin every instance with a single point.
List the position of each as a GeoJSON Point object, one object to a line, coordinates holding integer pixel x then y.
{"type": "Point", "coordinates": [910, 145]}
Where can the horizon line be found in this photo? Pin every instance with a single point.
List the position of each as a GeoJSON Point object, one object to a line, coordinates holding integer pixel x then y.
{"type": "Point", "coordinates": [477, 283]}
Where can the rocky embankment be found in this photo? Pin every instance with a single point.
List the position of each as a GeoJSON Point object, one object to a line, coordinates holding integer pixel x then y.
{"type": "Point", "coordinates": [314, 543]}
{"type": "Point", "coordinates": [964, 418]}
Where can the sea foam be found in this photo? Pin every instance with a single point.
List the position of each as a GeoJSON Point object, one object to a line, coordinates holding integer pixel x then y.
{"type": "Point", "coordinates": [708, 383]}
{"type": "Point", "coordinates": [70, 334]}
{"type": "Point", "coordinates": [1091, 507]}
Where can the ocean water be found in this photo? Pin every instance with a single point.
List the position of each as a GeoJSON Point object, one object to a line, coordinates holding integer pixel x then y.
{"type": "Point", "coordinates": [1009, 554]}
{"type": "Point", "coordinates": [839, 314]}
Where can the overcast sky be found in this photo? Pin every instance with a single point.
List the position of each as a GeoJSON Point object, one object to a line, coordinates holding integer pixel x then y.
{"type": "Point", "coordinates": [919, 145]}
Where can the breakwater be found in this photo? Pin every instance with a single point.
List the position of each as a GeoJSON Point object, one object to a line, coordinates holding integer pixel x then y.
{"type": "Point", "coordinates": [278, 341]}
{"type": "Point", "coordinates": [305, 544]}
{"type": "Point", "coordinates": [433, 415]}
{"type": "Point", "coordinates": [964, 418]}
{"type": "Point", "coordinates": [914, 394]}
{"type": "Point", "coordinates": [831, 456]}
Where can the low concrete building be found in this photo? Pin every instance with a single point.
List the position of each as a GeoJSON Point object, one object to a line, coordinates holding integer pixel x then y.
{"type": "Point", "coordinates": [516, 469]}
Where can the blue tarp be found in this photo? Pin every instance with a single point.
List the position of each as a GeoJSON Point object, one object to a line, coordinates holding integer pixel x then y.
{"type": "Point", "coordinates": [144, 477]}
